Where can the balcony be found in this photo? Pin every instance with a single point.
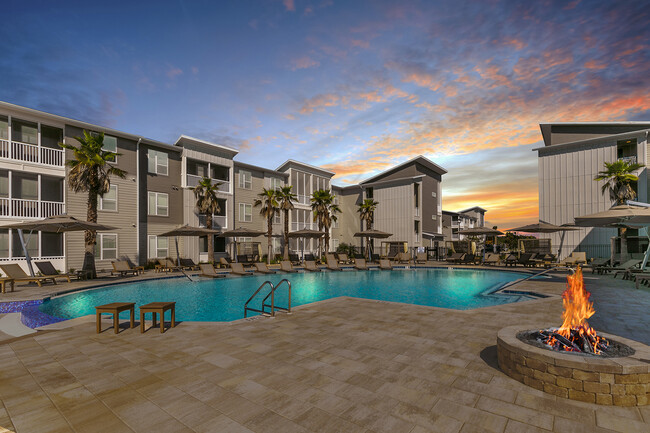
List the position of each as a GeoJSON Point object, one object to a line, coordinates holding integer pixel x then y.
{"type": "Point", "coordinates": [19, 208]}
{"type": "Point", "coordinates": [193, 180]}
{"type": "Point", "coordinates": [24, 152]}
{"type": "Point", "coordinates": [218, 221]}
{"type": "Point", "coordinates": [304, 199]}
{"type": "Point", "coordinates": [303, 226]}
{"type": "Point", "coordinates": [628, 159]}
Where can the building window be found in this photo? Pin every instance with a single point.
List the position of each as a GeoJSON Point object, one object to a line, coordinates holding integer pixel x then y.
{"type": "Point", "coordinates": [158, 162]}
{"type": "Point", "coordinates": [433, 194]}
{"type": "Point", "coordinates": [4, 243]}
{"type": "Point", "coordinates": [276, 183]}
{"type": "Point", "coordinates": [335, 244]}
{"type": "Point", "coordinates": [109, 201]}
{"type": "Point", "coordinates": [369, 192]}
{"type": "Point", "coordinates": [277, 218]}
{"type": "Point", "coordinates": [110, 145]}
{"type": "Point", "coordinates": [245, 212]}
{"type": "Point", "coordinates": [158, 247]}
{"type": "Point", "coordinates": [106, 246]}
{"type": "Point", "coordinates": [158, 204]}
{"type": "Point", "coordinates": [245, 179]}
{"type": "Point", "coordinates": [24, 132]}
{"type": "Point", "coordinates": [434, 217]}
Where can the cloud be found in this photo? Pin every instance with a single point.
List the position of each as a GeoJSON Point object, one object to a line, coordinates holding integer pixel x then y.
{"type": "Point", "coordinates": [289, 5]}
{"type": "Point", "coordinates": [303, 62]}
{"type": "Point", "coordinates": [173, 72]}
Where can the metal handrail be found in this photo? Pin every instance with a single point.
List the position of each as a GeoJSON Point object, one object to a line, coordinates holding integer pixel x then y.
{"type": "Point", "coordinates": [247, 308]}
{"type": "Point", "coordinates": [272, 295]}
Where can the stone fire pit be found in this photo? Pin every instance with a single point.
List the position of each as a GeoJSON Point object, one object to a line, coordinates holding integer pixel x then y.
{"type": "Point", "coordinates": [619, 381]}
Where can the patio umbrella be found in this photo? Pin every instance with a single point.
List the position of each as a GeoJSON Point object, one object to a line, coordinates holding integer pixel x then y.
{"type": "Point", "coordinates": [618, 216]}
{"type": "Point", "coordinates": [190, 232]}
{"type": "Point", "coordinates": [53, 224]}
{"type": "Point", "coordinates": [479, 231]}
{"type": "Point", "coordinates": [305, 233]}
{"type": "Point", "coordinates": [544, 227]}
{"type": "Point", "coordinates": [372, 234]}
{"type": "Point", "coordinates": [241, 232]}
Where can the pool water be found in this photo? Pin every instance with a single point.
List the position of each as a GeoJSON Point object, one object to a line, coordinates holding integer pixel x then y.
{"type": "Point", "coordinates": [224, 299]}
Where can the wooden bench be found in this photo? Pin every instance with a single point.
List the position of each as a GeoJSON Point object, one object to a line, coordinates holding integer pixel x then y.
{"type": "Point", "coordinates": [158, 308]}
{"type": "Point", "coordinates": [115, 309]}
{"type": "Point", "coordinates": [3, 284]}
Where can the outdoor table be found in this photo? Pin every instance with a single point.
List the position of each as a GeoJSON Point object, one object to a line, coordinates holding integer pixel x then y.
{"type": "Point", "coordinates": [115, 309]}
{"type": "Point", "coordinates": [3, 284]}
{"type": "Point", "coordinates": [158, 308]}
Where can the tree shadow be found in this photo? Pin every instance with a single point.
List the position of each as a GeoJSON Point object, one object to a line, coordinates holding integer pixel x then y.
{"type": "Point", "coordinates": [489, 356]}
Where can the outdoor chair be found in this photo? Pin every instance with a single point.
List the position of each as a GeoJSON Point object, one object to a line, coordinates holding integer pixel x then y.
{"type": "Point", "coordinates": [360, 264]}
{"type": "Point", "coordinates": [527, 260]}
{"type": "Point", "coordinates": [343, 258]}
{"type": "Point", "coordinates": [243, 258]}
{"type": "Point", "coordinates": [421, 258]}
{"type": "Point", "coordinates": [628, 268]}
{"type": "Point", "coordinates": [189, 264]}
{"type": "Point", "coordinates": [47, 270]}
{"type": "Point", "coordinates": [167, 265]}
{"type": "Point", "coordinates": [263, 269]}
{"type": "Point", "coordinates": [596, 264]}
{"type": "Point", "coordinates": [492, 259]}
{"type": "Point", "coordinates": [332, 264]}
{"type": "Point", "coordinates": [287, 266]}
{"type": "Point", "coordinates": [455, 258]}
{"type": "Point", "coordinates": [207, 270]}
{"type": "Point", "coordinates": [16, 273]}
{"type": "Point", "coordinates": [622, 267]}
{"type": "Point", "coordinates": [403, 258]}
{"type": "Point", "coordinates": [310, 257]}
{"type": "Point", "coordinates": [238, 269]}
{"type": "Point", "coordinates": [123, 269]}
{"type": "Point", "coordinates": [384, 265]}
{"type": "Point", "coordinates": [374, 258]}
{"type": "Point", "coordinates": [641, 278]}
{"type": "Point", "coordinates": [225, 261]}
{"type": "Point", "coordinates": [511, 260]}
{"type": "Point", "coordinates": [310, 265]}
{"type": "Point", "coordinates": [294, 259]}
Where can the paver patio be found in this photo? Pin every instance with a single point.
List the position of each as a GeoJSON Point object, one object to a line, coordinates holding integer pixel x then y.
{"type": "Point", "coordinates": [343, 365]}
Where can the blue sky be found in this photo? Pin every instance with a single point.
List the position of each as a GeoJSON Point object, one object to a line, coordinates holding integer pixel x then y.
{"type": "Point", "coordinates": [355, 86]}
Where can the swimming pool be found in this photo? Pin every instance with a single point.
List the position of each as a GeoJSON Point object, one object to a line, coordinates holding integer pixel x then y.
{"type": "Point", "coordinates": [224, 299]}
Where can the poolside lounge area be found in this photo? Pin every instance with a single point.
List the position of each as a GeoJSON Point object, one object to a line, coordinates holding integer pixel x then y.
{"type": "Point", "coordinates": [338, 365]}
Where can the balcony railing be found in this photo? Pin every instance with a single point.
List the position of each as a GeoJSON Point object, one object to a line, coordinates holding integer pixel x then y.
{"type": "Point", "coordinates": [628, 159]}
{"type": "Point", "coordinates": [25, 152]}
{"type": "Point", "coordinates": [193, 180]}
{"type": "Point", "coordinates": [20, 208]}
{"type": "Point", "coordinates": [303, 226]}
{"type": "Point", "coordinates": [303, 199]}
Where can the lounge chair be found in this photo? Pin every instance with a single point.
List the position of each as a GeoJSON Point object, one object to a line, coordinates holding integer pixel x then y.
{"type": "Point", "coordinates": [310, 265]}
{"type": "Point", "coordinates": [455, 258]}
{"type": "Point", "coordinates": [309, 256]}
{"type": "Point", "coordinates": [403, 258]}
{"type": "Point", "coordinates": [384, 265]}
{"type": "Point", "coordinates": [47, 270]}
{"type": "Point", "coordinates": [121, 267]}
{"type": "Point", "coordinates": [421, 258]}
{"type": "Point", "coordinates": [360, 264]}
{"type": "Point", "coordinates": [286, 266]}
{"type": "Point", "coordinates": [622, 267]}
{"type": "Point", "coordinates": [294, 259]}
{"type": "Point", "coordinates": [511, 260]}
{"type": "Point", "coordinates": [262, 268]}
{"type": "Point", "coordinates": [574, 259]}
{"type": "Point", "coordinates": [16, 273]}
{"type": "Point", "coordinates": [225, 261]}
{"type": "Point", "coordinates": [189, 264]}
{"type": "Point", "coordinates": [244, 259]}
{"type": "Point", "coordinates": [343, 258]}
{"type": "Point", "coordinates": [628, 269]}
{"type": "Point", "coordinates": [468, 259]}
{"type": "Point", "coordinates": [374, 258]}
{"type": "Point", "coordinates": [528, 260]}
{"type": "Point", "coordinates": [207, 270]}
{"type": "Point", "coordinates": [238, 269]}
{"type": "Point", "coordinates": [492, 259]}
{"type": "Point", "coordinates": [167, 265]}
{"type": "Point", "coordinates": [641, 278]}
{"type": "Point", "coordinates": [332, 264]}
{"type": "Point", "coordinates": [596, 264]}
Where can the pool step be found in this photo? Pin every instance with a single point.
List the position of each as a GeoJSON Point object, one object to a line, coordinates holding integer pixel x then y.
{"type": "Point", "coordinates": [10, 324]}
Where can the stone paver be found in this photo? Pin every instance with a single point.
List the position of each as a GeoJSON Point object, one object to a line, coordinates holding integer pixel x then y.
{"type": "Point", "coordinates": [340, 365]}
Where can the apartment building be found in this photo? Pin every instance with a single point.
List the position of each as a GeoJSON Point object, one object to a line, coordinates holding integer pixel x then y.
{"type": "Point", "coordinates": [572, 155]}
{"type": "Point", "coordinates": [453, 222]}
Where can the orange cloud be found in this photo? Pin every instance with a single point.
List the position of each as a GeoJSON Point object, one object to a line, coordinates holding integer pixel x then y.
{"type": "Point", "coordinates": [319, 102]}
{"type": "Point", "coordinates": [304, 62]}
{"type": "Point", "coordinates": [592, 64]}
{"type": "Point", "coordinates": [289, 5]}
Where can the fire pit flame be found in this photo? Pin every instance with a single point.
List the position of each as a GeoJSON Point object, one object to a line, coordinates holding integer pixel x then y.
{"type": "Point", "coordinates": [575, 334]}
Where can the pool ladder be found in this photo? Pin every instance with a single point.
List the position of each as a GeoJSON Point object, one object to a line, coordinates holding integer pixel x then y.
{"type": "Point", "coordinates": [270, 294]}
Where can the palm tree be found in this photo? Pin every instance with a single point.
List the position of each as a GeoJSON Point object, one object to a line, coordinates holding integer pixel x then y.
{"type": "Point", "coordinates": [268, 200]}
{"type": "Point", "coordinates": [205, 194]}
{"type": "Point", "coordinates": [90, 171]}
{"type": "Point", "coordinates": [325, 210]}
{"type": "Point", "coordinates": [618, 177]}
{"type": "Point", "coordinates": [285, 200]}
{"type": "Point", "coordinates": [366, 213]}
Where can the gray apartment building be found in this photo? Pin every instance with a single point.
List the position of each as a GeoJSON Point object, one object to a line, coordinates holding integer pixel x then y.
{"type": "Point", "coordinates": [572, 155]}
{"type": "Point", "coordinates": [156, 195]}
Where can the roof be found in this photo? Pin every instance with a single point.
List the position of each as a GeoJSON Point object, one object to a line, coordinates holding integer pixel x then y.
{"type": "Point", "coordinates": [607, 139]}
{"type": "Point", "coordinates": [85, 125]}
{"type": "Point", "coordinates": [418, 159]}
{"type": "Point", "coordinates": [392, 181]}
{"type": "Point", "coordinates": [206, 144]}
{"type": "Point", "coordinates": [262, 169]}
{"type": "Point", "coordinates": [289, 162]}
{"type": "Point", "coordinates": [546, 128]}
{"type": "Point", "coordinates": [478, 208]}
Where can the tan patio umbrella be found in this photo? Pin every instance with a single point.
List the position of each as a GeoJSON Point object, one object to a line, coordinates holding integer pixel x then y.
{"type": "Point", "coordinates": [53, 224]}
{"type": "Point", "coordinates": [241, 232]}
{"type": "Point", "coordinates": [304, 234]}
{"type": "Point", "coordinates": [479, 231]}
{"type": "Point", "coordinates": [544, 227]}
{"type": "Point", "coordinates": [189, 231]}
{"type": "Point", "coordinates": [617, 216]}
{"type": "Point", "coordinates": [372, 234]}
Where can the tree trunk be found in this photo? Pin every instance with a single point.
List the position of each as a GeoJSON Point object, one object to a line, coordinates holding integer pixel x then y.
{"type": "Point", "coordinates": [208, 225]}
{"type": "Point", "coordinates": [286, 234]}
{"type": "Point", "coordinates": [90, 237]}
{"type": "Point", "coordinates": [320, 241]}
{"type": "Point", "coordinates": [269, 223]}
{"type": "Point", "coordinates": [624, 253]}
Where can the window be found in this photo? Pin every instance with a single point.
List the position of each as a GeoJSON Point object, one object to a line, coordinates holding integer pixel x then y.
{"type": "Point", "coordinates": [24, 132]}
{"type": "Point", "coordinates": [51, 244]}
{"type": "Point", "coordinates": [158, 247]}
{"type": "Point", "coordinates": [434, 217]}
{"type": "Point", "coordinates": [109, 201]}
{"type": "Point", "coordinates": [110, 145]}
{"type": "Point", "coordinates": [245, 179]}
{"type": "Point", "coordinates": [433, 194]}
{"type": "Point", "coordinates": [4, 128]}
{"type": "Point", "coordinates": [369, 192]}
{"type": "Point", "coordinates": [158, 162]}
{"type": "Point", "coordinates": [245, 212]}
{"type": "Point", "coordinates": [277, 217]}
{"type": "Point", "coordinates": [4, 243]}
{"type": "Point", "coordinates": [158, 204]}
{"type": "Point", "coordinates": [276, 183]}
{"type": "Point", "coordinates": [335, 244]}
{"type": "Point", "coordinates": [106, 246]}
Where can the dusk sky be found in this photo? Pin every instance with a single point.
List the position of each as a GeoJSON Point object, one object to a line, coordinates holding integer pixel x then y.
{"type": "Point", "coordinates": [353, 86]}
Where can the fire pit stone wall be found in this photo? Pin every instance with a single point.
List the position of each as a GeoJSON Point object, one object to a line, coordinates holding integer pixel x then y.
{"type": "Point", "coordinates": [621, 381]}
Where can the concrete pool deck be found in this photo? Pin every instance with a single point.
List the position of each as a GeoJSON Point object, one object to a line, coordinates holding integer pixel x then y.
{"type": "Point", "coordinates": [343, 365]}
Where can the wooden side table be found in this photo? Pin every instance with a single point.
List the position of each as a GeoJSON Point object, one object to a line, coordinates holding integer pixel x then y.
{"type": "Point", "coordinates": [158, 308]}
{"type": "Point", "coordinates": [115, 309]}
{"type": "Point", "coordinates": [4, 282]}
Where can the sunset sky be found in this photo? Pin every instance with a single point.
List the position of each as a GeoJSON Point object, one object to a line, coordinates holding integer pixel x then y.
{"type": "Point", "coordinates": [353, 86]}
